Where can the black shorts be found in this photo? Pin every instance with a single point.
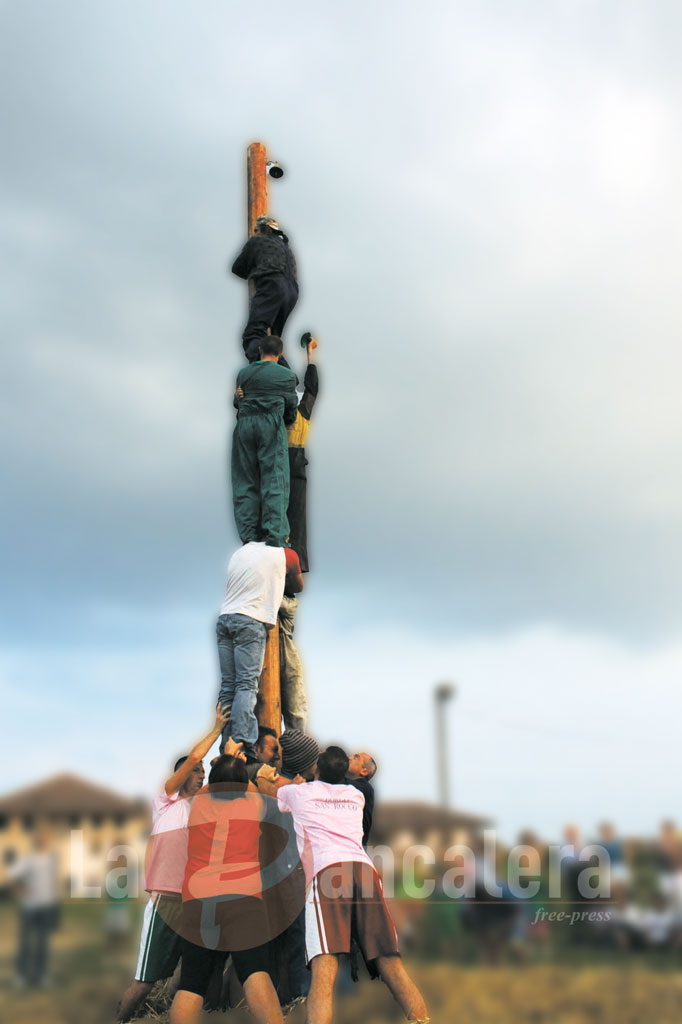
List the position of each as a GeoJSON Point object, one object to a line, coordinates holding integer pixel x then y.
{"type": "Point", "coordinates": [199, 963]}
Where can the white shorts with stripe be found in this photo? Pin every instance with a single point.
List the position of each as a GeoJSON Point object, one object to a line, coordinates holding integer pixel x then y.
{"type": "Point", "coordinates": [160, 945]}
{"type": "Point", "coordinates": [346, 900]}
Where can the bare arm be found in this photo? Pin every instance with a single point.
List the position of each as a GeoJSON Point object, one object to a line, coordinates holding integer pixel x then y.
{"type": "Point", "coordinates": [293, 582]}
{"type": "Point", "coordinates": [198, 751]}
{"type": "Point", "coordinates": [269, 780]}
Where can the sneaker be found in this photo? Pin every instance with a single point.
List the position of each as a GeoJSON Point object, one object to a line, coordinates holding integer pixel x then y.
{"type": "Point", "coordinates": [250, 752]}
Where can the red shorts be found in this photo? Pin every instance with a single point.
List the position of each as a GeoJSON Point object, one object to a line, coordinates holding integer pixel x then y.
{"type": "Point", "coordinates": [346, 900]}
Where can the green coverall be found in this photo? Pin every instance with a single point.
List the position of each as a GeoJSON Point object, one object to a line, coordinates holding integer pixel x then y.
{"type": "Point", "coordinates": [260, 458]}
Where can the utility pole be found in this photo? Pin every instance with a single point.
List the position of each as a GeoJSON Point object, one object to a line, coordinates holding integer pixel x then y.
{"type": "Point", "coordinates": [269, 703]}
{"type": "Point", "coordinates": [442, 693]}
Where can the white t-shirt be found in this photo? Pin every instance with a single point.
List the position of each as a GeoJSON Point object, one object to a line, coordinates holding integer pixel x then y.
{"type": "Point", "coordinates": [37, 875]}
{"type": "Point", "coordinates": [327, 822]}
{"type": "Point", "coordinates": [167, 848]}
{"type": "Point", "coordinates": [255, 582]}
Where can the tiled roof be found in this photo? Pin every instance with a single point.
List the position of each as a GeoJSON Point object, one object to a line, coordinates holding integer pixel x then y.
{"type": "Point", "coordinates": [66, 794]}
{"type": "Point", "coordinates": [391, 818]}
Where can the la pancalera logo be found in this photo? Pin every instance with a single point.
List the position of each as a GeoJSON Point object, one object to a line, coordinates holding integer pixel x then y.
{"type": "Point", "coordinates": [236, 880]}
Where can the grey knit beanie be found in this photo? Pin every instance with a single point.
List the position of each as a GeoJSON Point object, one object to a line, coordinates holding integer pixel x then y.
{"type": "Point", "coordinates": [299, 752]}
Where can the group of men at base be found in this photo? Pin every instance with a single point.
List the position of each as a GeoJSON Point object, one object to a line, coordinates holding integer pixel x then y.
{"type": "Point", "coordinates": [266, 864]}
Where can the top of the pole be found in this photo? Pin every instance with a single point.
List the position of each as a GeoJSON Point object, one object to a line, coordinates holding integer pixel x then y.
{"type": "Point", "coordinates": [257, 184]}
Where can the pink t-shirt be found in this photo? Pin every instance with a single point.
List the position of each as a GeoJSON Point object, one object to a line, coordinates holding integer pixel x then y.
{"type": "Point", "coordinates": [327, 821]}
{"type": "Point", "coordinates": [167, 847]}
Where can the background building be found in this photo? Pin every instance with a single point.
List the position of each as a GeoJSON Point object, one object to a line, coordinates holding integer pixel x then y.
{"type": "Point", "coordinates": [92, 829]}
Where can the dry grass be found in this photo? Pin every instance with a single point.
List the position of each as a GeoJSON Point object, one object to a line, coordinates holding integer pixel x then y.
{"type": "Point", "coordinates": [478, 995]}
{"type": "Point", "coordinates": [90, 976]}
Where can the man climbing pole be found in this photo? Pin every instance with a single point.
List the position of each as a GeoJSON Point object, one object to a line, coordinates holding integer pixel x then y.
{"type": "Point", "coordinates": [294, 700]}
{"type": "Point", "coordinates": [266, 404]}
{"type": "Point", "coordinates": [257, 576]}
{"type": "Point", "coordinates": [296, 439]}
{"type": "Point", "coordinates": [268, 263]}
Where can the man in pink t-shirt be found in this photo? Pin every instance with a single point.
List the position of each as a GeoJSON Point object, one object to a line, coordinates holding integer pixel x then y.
{"type": "Point", "coordinates": [165, 870]}
{"type": "Point", "coordinates": [344, 895]}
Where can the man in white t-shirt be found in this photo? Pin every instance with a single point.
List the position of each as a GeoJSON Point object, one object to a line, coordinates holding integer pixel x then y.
{"type": "Point", "coordinates": [165, 871]}
{"type": "Point", "coordinates": [35, 880]}
{"type": "Point", "coordinates": [344, 896]}
{"type": "Point", "coordinates": [256, 578]}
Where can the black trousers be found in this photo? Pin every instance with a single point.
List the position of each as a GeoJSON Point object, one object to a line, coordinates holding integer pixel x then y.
{"type": "Point", "coordinates": [297, 513]}
{"type": "Point", "coordinates": [35, 927]}
{"type": "Point", "coordinates": [273, 301]}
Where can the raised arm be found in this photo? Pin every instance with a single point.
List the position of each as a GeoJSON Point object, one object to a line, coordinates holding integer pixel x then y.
{"type": "Point", "coordinates": [290, 405]}
{"type": "Point", "coordinates": [198, 751]}
{"type": "Point", "coordinates": [293, 580]}
{"type": "Point", "coordinates": [243, 264]}
{"type": "Point", "coordinates": [268, 780]}
{"type": "Point", "coordinates": [311, 386]}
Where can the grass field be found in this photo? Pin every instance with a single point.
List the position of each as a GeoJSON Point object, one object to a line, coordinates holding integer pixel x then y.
{"type": "Point", "coordinates": [89, 972]}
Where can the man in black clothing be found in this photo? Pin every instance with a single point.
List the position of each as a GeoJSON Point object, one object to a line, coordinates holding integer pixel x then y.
{"type": "Point", "coordinates": [267, 262]}
{"type": "Point", "coordinates": [297, 434]}
{"type": "Point", "coordinates": [361, 770]}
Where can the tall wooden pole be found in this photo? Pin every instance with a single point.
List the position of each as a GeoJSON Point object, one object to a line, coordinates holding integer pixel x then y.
{"type": "Point", "coordinates": [269, 705]}
{"type": "Point", "coordinates": [257, 187]}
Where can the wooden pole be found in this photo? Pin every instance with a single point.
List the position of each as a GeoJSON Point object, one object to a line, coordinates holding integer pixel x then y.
{"type": "Point", "coordinates": [269, 704]}
{"type": "Point", "coordinates": [257, 188]}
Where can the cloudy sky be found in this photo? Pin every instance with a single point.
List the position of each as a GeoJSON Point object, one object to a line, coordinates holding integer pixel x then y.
{"type": "Point", "coordinates": [484, 203]}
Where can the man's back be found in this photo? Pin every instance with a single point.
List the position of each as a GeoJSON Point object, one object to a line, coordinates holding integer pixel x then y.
{"type": "Point", "coordinates": [264, 254]}
{"type": "Point", "coordinates": [328, 823]}
{"type": "Point", "coordinates": [255, 582]}
{"type": "Point", "coordinates": [268, 387]}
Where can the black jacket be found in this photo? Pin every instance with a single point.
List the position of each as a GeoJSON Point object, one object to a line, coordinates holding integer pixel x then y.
{"type": "Point", "coordinates": [367, 790]}
{"type": "Point", "coordinates": [265, 254]}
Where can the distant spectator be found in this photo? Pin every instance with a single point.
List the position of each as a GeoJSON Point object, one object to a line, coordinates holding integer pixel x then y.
{"type": "Point", "coordinates": [669, 859]}
{"type": "Point", "coordinates": [489, 918]}
{"type": "Point", "coordinates": [609, 841]}
{"type": "Point", "coordinates": [34, 878]}
{"type": "Point", "coordinates": [656, 926]}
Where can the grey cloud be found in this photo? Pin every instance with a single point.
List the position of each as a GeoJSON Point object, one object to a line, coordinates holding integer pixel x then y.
{"type": "Point", "coordinates": [498, 433]}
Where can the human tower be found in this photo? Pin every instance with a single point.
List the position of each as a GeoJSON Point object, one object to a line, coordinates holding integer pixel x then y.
{"type": "Point", "coordinates": [267, 864]}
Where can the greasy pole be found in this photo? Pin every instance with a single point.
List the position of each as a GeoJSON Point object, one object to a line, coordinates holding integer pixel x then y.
{"type": "Point", "coordinates": [257, 184]}
{"type": "Point", "coordinates": [269, 705]}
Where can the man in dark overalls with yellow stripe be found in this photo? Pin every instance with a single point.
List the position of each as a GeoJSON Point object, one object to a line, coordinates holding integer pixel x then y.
{"type": "Point", "coordinates": [297, 434]}
{"type": "Point", "coordinates": [260, 461]}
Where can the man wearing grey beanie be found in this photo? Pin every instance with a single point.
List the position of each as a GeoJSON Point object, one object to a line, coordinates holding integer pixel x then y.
{"type": "Point", "coordinates": [299, 754]}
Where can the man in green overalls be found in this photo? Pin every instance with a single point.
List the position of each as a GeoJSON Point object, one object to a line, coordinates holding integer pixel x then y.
{"type": "Point", "coordinates": [267, 404]}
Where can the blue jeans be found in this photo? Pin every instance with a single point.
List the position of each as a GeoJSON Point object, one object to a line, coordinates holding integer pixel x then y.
{"type": "Point", "coordinates": [241, 652]}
